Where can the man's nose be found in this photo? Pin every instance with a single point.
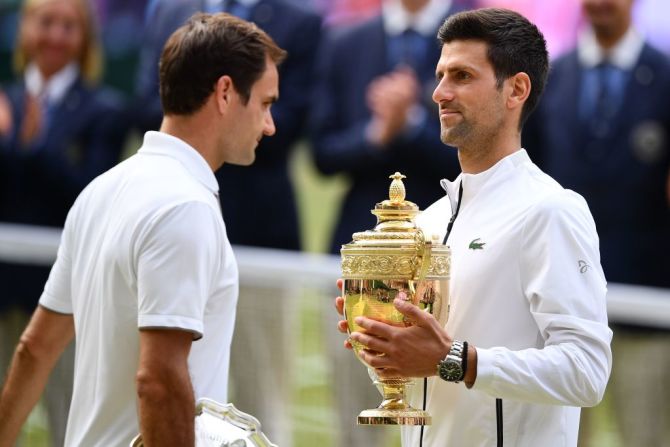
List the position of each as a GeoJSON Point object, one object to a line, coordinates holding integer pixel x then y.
{"type": "Point", "coordinates": [269, 128]}
{"type": "Point", "coordinates": [442, 92]}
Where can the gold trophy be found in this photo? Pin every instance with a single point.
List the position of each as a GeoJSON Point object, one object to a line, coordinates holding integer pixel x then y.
{"type": "Point", "coordinates": [395, 259]}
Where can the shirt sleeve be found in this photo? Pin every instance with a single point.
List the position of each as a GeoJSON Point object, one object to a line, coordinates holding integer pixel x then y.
{"type": "Point", "coordinates": [565, 287]}
{"type": "Point", "coordinates": [57, 294]}
{"type": "Point", "coordinates": [177, 259]}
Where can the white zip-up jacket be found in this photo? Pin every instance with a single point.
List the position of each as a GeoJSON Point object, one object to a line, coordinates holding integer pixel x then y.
{"type": "Point", "coordinates": [528, 291]}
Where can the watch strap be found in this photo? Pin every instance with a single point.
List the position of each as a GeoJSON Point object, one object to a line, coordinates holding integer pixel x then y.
{"type": "Point", "coordinates": [465, 359]}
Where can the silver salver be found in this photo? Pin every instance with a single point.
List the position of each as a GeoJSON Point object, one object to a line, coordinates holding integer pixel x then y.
{"type": "Point", "coordinates": [223, 425]}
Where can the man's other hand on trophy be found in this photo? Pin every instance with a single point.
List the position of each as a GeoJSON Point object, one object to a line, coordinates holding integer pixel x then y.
{"type": "Point", "coordinates": [412, 351]}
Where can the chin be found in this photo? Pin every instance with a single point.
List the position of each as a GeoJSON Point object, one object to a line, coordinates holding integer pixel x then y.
{"type": "Point", "coordinates": [247, 162]}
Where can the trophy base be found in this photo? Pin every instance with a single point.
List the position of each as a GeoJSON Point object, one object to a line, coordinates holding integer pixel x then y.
{"type": "Point", "coordinates": [381, 416]}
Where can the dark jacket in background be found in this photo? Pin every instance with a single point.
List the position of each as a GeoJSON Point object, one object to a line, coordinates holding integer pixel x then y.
{"type": "Point", "coordinates": [39, 183]}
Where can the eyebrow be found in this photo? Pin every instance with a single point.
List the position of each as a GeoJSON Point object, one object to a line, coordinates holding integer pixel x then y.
{"type": "Point", "coordinates": [453, 69]}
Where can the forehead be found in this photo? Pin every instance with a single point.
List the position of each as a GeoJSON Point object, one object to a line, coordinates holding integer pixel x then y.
{"type": "Point", "coordinates": [268, 84]}
{"type": "Point", "coordinates": [62, 7]}
{"type": "Point", "coordinates": [470, 54]}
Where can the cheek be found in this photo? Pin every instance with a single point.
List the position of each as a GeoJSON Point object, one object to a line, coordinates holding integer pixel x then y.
{"type": "Point", "coordinates": [76, 44]}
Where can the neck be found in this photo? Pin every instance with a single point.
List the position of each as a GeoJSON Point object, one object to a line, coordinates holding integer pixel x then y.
{"type": "Point", "coordinates": [414, 6]}
{"type": "Point", "coordinates": [191, 130]}
{"type": "Point", "coordinates": [482, 156]}
{"type": "Point", "coordinates": [608, 37]}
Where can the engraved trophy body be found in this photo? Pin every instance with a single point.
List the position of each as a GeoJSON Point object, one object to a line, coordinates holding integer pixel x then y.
{"type": "Point", "coordinates": [395, 259]}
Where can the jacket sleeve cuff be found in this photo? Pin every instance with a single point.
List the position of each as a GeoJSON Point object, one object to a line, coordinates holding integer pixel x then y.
{"type": "Point", "coordinates": [487, 365]}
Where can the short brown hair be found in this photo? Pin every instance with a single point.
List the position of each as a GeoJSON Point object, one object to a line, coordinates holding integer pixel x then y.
{"type": "Point", "coordinates": [207, 47]}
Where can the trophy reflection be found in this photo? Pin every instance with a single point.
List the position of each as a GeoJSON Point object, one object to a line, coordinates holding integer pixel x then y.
{"type": "Point", "coordinates": [394, 260]}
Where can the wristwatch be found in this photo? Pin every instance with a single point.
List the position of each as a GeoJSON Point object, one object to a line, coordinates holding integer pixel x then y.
{"type": "Point", "coordinates": [454, 365]}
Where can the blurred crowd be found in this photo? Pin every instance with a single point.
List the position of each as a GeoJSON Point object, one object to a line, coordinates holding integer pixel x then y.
{"type": "Point", "coordinates": [79, 77]}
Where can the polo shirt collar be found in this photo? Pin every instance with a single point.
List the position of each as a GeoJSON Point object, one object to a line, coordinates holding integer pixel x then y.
{"type": "Point", "coordinates": [162, 144]}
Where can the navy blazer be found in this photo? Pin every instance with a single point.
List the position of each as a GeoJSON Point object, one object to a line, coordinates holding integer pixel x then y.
{"type": "Point", "coordinates": [264, 188]}
{"type": "Point", "coordinates": [40, 183]}
{"type": "Point", "coordinates": [350, 61]}
{"type": "Point", "coordinates": [622, 175]}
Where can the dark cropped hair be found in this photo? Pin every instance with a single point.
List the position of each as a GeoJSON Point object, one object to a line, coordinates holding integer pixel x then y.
{"type": "Point", "coordinates": [207, 47]}
{"type": "Point", "coordinates": [514, 45]}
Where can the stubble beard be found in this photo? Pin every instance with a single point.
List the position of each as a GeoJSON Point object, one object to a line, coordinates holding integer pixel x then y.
{"type": "Point", "coordinates": [457, 135]}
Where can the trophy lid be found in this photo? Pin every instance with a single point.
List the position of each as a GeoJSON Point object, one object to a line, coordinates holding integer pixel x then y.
{"type": "Point", "coordinates": [395, 248]}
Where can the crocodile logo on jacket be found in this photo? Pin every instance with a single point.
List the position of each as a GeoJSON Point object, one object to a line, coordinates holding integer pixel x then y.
{"type": "Point", "coordinates": [476, 244]}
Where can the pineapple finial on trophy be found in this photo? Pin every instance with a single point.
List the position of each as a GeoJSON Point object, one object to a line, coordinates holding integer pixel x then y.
{"type": "Point", "coordinates": [397, 188]}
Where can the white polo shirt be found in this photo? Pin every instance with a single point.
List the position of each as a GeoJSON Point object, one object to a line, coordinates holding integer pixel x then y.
{"type": "Point", "coordinates": [144, 246]}
{"type": "Point", "coordinates": [528, 291]}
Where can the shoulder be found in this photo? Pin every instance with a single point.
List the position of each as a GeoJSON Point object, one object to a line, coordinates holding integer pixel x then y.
{"type": "Point", "coordinates": [652, 54]}
{"type": "Point", "coordinates": [541, 197]}
{"type": "Point", "coordinates": [560, 210]}
{"type": "Point", "coordinates": [658, 62]}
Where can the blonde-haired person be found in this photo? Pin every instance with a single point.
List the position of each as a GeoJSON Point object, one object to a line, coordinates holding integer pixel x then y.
{"type": "Point", "coordinates": [57, 132]}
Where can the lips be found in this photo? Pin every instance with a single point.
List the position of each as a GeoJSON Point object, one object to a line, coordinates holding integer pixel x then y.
{"type": "Point", "coordinates": [448, 112]}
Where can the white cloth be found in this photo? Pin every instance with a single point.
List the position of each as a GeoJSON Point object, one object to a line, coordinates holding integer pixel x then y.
{"type": "Point", "coordinates": [528, 291]}
{"type": "Point", "coordinates": [144, 246]}
{"type": "Point", "coordinates": [54, 89]}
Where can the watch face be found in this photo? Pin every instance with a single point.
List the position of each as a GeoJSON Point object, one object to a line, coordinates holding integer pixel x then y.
{"type": "Point", "coordinates": [450, 370]}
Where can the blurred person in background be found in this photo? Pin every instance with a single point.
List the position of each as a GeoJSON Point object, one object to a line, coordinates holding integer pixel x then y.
{"type": "Point", "coordinates": [57, 132]}
{"type": "Point", "coordinates": [121, 27]}
{"type": "Point", "coordinates": [258, 202]}
{"type": "Point", "coordinates": [373, 115]}
{"type": "Point", "coordinates": [375, 119]}
{"type": "Point", "coordinates": [603, 130]}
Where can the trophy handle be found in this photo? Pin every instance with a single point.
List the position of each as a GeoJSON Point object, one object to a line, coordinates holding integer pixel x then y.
{"type": "Point", "coordinates": [216, 422]}
{"type": "Point", "coordinates": [244, 421]}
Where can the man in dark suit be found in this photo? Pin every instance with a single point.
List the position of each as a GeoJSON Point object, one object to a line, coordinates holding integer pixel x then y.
{"type": "Point", "coordinates": [258, 203]}
{"type": "Point", "coordinates": [373, 113]}
{"type": "Point", "coordinates": [603, 130]}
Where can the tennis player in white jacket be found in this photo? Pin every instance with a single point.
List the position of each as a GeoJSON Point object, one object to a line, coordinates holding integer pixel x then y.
{"type": "Point", "coordinates": [527, 342]}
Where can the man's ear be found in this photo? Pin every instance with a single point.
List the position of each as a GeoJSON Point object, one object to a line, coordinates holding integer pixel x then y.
{"type": "Point", "coordinates": [223, 92]}
{"type": "Point", "coordinates": [520, 90]}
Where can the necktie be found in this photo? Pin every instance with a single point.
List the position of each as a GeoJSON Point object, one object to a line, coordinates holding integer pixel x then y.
{"type": "Point", "coordinates": [408, 48]}
{"type": "Point", "coordinates": [609, 87]}
{"type": "Point", "coordinates": [414, 48]}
